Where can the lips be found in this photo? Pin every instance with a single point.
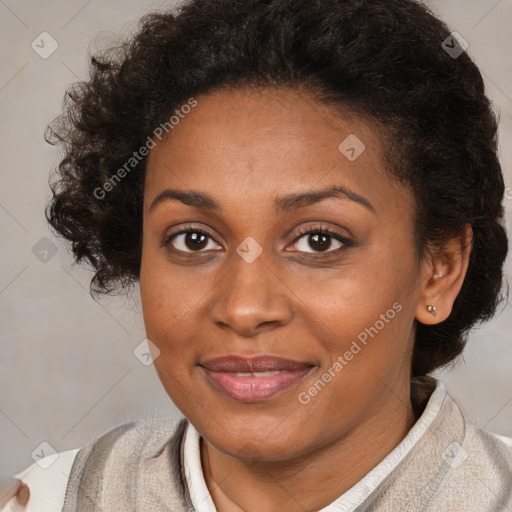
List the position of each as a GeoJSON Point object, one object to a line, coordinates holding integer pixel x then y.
{"type": "Point", "coordinates": [253, 364]}
{"type": "Point", "coordinates": [252, 380]}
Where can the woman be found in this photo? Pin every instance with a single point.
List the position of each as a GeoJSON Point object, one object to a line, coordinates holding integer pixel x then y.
{"type": "Point", "coordinates": [309, 195]}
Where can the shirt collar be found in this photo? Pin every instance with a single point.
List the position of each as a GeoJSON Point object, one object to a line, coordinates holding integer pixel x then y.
{"type": "Point", "coordinates": [350, 500]}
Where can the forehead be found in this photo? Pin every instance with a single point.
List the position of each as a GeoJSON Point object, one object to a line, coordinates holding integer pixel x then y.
{"type": "Point", "coordinates": [260, 143]}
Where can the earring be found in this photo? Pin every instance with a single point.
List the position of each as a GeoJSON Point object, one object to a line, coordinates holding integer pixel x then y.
{"type": "Point", "coordinates": [432, 309]}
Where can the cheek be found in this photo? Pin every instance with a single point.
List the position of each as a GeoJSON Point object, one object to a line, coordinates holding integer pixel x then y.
{"type": "Point", "coordinates": [166, 299]}
{"type": "Point", "coordinates": [365, 314]}
{"type": "Point", "coordinates": [161, 307]}
{"type": "Point", "coordinates": [165, 311]}
{"type": "Point", "coordinates": [365, 335]}
{"type": "Point", "coordinates": [172, 304]}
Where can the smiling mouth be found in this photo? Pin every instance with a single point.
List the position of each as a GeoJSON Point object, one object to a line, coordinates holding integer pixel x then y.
{"type": "Point", "coordinates": [253, 380]}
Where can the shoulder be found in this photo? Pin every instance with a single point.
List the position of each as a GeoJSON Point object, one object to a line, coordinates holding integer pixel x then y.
{"type": "Point", "coordinates": [507, 441]}
{"type": "Point", "coordinates": [42, 486]}
{"type": "Point", "coordinates": [457, 465]}
{"type": "Point", "coordinates": [478, 467]}
{"type": "Point", "coordinates": [492, 451]}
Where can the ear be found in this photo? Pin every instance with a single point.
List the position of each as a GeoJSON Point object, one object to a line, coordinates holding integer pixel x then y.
{"type": "Point", "coordinates": [442, 279]}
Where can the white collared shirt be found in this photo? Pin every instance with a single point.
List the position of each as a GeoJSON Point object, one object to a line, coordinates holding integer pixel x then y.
{"type": "Point", "coordinates": [47, 480]}
{"type": "Point", "coordinates": [349, 501]}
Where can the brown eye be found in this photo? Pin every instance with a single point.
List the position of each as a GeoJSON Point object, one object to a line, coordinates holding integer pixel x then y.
{"type": "Point", "coordinates": [191, 240]}
{"type": "Point", "coordinates": [318, 240]}
{"type": "Point", "coordinates": [195, 241]}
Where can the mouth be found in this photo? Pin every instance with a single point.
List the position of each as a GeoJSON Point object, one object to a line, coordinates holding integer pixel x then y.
{"type": "Point", "coordinates": [256, 379]}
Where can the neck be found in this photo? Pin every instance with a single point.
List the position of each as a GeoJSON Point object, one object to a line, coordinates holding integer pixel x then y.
{"type": "Point", "coordinates": [313, 480]}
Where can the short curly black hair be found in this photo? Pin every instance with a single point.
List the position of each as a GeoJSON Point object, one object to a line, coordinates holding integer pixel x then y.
{"type": "Point", "coordinates": [388, 60]}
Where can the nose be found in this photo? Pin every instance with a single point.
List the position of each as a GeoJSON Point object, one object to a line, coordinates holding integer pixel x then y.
{"type": "Point", "coordinates": [251, 298]}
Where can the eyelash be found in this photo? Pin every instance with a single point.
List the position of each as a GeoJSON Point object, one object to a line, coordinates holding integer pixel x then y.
{"type": "Point", "coordinates": [320, 230]}
{"type": "Point", "coordinates": [188, 229]}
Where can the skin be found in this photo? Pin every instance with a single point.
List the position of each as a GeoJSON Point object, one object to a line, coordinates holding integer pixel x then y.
{"type": "Point", "coordinates": [246, 148]}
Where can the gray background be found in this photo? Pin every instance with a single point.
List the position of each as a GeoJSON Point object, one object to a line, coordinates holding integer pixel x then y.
{"type": "Point", "coordinates": [67, 368]}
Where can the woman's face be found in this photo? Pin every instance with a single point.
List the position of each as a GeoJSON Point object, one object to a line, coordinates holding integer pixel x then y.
{"type": "Point", "coordinates": [276, 339]}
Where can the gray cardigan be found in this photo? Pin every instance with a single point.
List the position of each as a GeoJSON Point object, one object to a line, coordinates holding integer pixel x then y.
{"type": "Point", "coordinates": [454, 467]}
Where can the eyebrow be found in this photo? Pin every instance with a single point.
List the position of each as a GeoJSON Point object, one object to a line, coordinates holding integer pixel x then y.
{"type": "Point", "coordinates": [283, 204]}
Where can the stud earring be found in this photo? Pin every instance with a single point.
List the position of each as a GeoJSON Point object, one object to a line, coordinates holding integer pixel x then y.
{"type": "Point", "coordinates": [432, 309]}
